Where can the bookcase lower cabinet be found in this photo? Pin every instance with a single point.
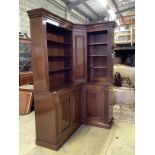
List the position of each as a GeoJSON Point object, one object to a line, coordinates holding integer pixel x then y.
{"type": "Point", "coordinates": [97, 105]}
{"type": "Point", "coordinates": [57, 116]}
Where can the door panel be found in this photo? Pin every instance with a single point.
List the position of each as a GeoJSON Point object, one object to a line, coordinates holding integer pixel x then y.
{"type": "Point", "coordinates": [76, 105]}
{"type": "Point", "coordinates": [65, 111]}
{"type": "Point", "coordinates": [93, 102]}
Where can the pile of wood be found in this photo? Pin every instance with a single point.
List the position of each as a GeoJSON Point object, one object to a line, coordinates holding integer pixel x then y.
{"type": "Point", "coordinates": [128, 19]}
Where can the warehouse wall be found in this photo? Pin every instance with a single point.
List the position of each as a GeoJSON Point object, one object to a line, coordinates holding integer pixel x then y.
{"type": "Point", "coordinates": [55, 6]}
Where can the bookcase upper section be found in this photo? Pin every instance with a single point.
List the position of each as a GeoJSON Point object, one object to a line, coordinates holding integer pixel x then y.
{"type": "Point", "coordinates": [64, 53]}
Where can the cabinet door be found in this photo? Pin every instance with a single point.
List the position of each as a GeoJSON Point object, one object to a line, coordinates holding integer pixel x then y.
{"type": "Point", "coordinates": [76, 105]}
{"type": "Point", "coordinates": [79, 56]}
{"type": "Point", "coordinates": [93, 103]}
{"type": "Point", "coordinates": [64, 112]}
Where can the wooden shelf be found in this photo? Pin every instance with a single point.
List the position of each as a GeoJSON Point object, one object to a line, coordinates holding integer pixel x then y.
{"type": "Point", "coordinates": [59, 56]}
{"type": "Point", "coordinates": [124, 48]}
{"type": "Point", "coordinates": [121, 35]}
{"type": "Point", "coordinates": [97, 55]}
{"type": "Point", "coordinates": [123, 30]}
{"type": "Point", "coordinates": [61, 88]}
{"type": "Point", "coordinates": [57, 38]}
{"type": "Point", "coordinates": [94, 44]}
{"type": "Point", "coordinates": [102, 67]}
{"type": "Point", "coordinates": [122, 41]}
{"type": "Point", "coordinates": [58, 42]}
{"type": "Point", "coordinates": [62, 69]}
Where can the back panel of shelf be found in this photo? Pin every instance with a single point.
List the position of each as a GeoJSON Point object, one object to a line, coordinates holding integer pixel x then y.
{"type": "Point", "coordinates": [59, 43]}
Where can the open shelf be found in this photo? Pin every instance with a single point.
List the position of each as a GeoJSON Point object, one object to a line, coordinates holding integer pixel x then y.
{"type": "Point", "coordinates": [97, 55]}
{"type": "Point", "coordinates": [101, 67]}
{"type": "Point", "coordinates": [95, 44]}
{"type": "Point", "coordinates": [59, 55]}
{"type": "Point", "coordinates": [59, 45]}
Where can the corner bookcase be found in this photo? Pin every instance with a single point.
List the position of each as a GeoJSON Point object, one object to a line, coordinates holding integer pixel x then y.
{"type": "Point", "coordinates": [72, 71]}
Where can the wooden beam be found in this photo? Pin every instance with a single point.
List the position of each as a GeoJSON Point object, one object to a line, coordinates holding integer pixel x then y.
{"type": "Point", "coordinates": [92, 10]}
{"type": "Point", "coordinates": [75, 4]}
{"type": "Point", "coordinates": [83, 13]}
{"type": "Point", "coordinates": [115, 4]}
{"type": "Point", "coordinates": [127, 9]}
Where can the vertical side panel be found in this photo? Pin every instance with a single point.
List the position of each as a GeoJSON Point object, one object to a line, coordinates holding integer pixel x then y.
{"type": "Point", "coordinates": [109, 58]}
{"type": "Point", "coordinates": [39, 53]}
{"type": "Point", "coordinates": [79, 56]}
{"type": "Point", "coordinates": [110, 101]}
{"type": "Point", "coordinates": [45, 117]}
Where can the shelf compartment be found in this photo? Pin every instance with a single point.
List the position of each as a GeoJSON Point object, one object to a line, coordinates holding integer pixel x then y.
{"type": "Point", "coordinates": [59, 51]}
{"type": "Point", "coordinates": [98, 61]}
{"type": "Point", "coordinates": [58, 79]}
{"type": "Point", "coordinates": [58, 34]}
{"type": "Point", "coordinates": [100, 36]}
{"type": "Point", "coordinates": [97, 50]}
{"type": "Point", "coordinates": [98, 75]}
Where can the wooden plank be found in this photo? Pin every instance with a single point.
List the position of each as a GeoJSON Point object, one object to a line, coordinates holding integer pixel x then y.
{"type": "Point", "coordinates": [25, 102]}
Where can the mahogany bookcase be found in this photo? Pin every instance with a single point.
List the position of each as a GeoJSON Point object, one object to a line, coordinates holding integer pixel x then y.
{"type": "Point", "coordinates": [72, 71]}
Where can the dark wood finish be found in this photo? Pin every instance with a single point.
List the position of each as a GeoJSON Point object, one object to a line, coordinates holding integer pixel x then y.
{"type": "Point", "coordinates": [99, 55]}
{"type": "Point", "coordinates": [66, 56]}
{"type": "Point", "coordinates": [57, 116]}
{"type": "Point", "coordinates": [97, 107]}
{"type": "Point", "coordinates": [25, 78]}
{"type": "Point", "coordinates": [39, 53]}
{"type": "Point", "coordinates": [59, 55]}
{"type": "Point", "coordinates": [76, 105]}
{"type": "Point", "coordinates": [79, 55]}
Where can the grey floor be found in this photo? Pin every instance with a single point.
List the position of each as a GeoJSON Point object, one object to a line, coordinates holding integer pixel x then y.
{"type": "Point", "coordinates": [87, 140]}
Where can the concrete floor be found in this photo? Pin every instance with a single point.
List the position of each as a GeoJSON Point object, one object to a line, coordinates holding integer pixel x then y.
{"type": "Point", "coordinates": [87, 140]}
